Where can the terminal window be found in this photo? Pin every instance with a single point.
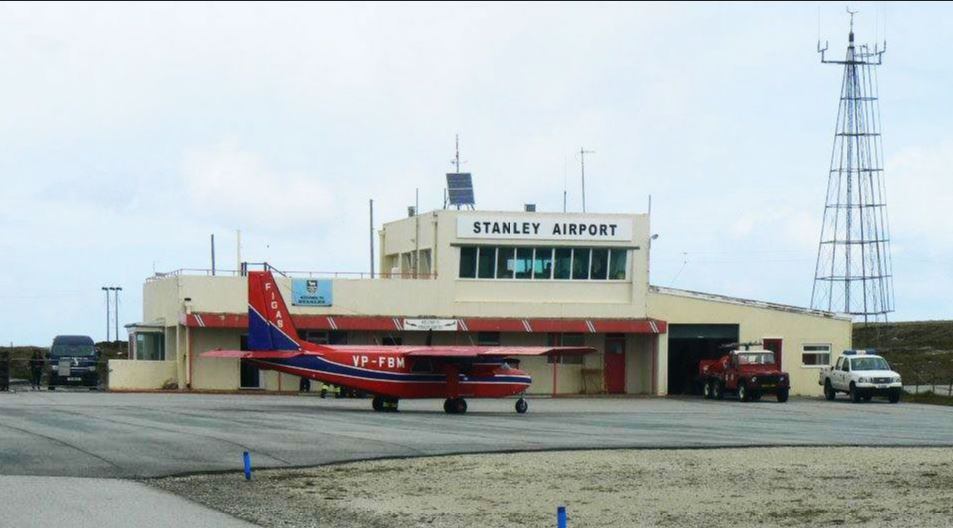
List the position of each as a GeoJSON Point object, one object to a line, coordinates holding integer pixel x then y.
{"type": "Point", "coordinates": [566, 339]}
{"type": "Point", "coordinates": [816, 355]}
{"type": "Point", "coordinates": [150, 346]}
{"type": "Point", "coordinates": [543, 263]}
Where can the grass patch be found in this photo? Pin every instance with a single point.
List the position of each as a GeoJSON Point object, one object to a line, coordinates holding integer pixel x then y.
{"type": "Point", "coordinates": [928, 397]}
{"type": "Point", "coordinates": [921, 351]}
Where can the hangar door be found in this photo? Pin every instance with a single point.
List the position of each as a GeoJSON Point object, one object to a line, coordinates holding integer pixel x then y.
{"type": "Point", "coordinates": [688, 344]}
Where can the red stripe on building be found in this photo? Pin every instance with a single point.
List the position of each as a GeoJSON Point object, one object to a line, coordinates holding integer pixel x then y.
{"type": "Point", "coordinates": [472, 324]}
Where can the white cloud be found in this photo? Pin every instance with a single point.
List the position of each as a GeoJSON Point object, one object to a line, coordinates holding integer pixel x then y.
{"type": "Point", "coordinates": [236, 187]}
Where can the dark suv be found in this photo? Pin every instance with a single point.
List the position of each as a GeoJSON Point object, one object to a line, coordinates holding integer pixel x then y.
{"type": "Point", "coordinates": [73, 361]}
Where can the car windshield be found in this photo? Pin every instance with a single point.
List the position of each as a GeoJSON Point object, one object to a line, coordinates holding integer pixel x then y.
{"type": "Point", "coordinates": [869, 363]}
{"type": "Point", "coordinates": [756, 358]}
{"type": "Point", "coordinates": [72, 350]}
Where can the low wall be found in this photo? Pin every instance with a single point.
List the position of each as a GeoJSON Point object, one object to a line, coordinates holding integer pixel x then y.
{"type": "Point", "coordinates": [125, 374]}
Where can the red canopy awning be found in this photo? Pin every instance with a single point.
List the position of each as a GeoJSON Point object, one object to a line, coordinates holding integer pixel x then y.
{"type": "Point", "coordinates": [383, 323]}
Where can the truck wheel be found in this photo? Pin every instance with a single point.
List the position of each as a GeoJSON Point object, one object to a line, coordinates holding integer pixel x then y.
{"type": "Point", "coordinates": [377, 403]}
{"type": "Point", "coordinates": [743, 392]}
{"type": "Point", "coordinates": [706, 389]}
{"type": "Point", "coordinates": [894, 396]}
{"type": "Point", "coordinates": [783, 395]}
{"type": "Point", "coordinates": [854, 394]}
{"type": "Point", "coordinates": [868, 397]}
{"type": "Point", "coordinates": [717, 390]}
{"type": "Point", "coordinates": [829, 393]}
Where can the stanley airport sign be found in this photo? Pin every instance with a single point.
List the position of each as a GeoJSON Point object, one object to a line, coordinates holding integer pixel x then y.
{"type": "Point", "coordinates": [545, 227]}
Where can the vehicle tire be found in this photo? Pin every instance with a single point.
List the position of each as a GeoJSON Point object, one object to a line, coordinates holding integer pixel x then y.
{"type": "Point", "coordinates": [894, 396]}
{"type": "Point", "coordinates": [829, 393]}
{"type": "Point", "coordinates": [743, 393]}
{"type": "Point", "coordinates": [756, 396]}
{"type": "Point", "coordinates": [459, 406]}
{"type": "Point", "coordinates": [854, 394]}
{"type": "Point", "coordinates": [521, 406]}
{"type": "Point", "coordinates": [717, 390]}
{"type": "Point", "coordinates": [783, 395]}
{"type": "Point", "coordinates": [448, 406]}
{"type": "Point", "coordinates": [706, 389]}
{"type": "Point", "coordinates": [377, 403]}
{"type": "Point", "coordinates": [868, 397]}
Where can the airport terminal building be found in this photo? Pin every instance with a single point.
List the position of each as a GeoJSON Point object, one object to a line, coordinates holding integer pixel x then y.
{"type": "Point", "coordinates": [485, 278]}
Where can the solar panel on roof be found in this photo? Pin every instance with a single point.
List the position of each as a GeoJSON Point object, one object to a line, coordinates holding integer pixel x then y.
{"type": "Point", "coordinates": [460, 188]}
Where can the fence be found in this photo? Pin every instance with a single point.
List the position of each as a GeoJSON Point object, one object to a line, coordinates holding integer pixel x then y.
{"type": "Point", "coordinates": [929, 376]}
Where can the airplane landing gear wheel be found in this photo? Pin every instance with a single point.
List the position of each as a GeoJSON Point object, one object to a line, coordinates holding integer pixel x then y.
{"type": "Point", "coordinates": [383, 404]}
{"type": "Point", "coordinates": [455, 406]}
{"type": "Point", "coordinates": [521, 406]}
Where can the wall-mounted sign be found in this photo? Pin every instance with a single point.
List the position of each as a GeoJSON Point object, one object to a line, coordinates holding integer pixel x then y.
{"type": "Point", "coordinates": [311, 292]}
{"type": "Point", "coordinates": [437, 325]}
{"type": "Point", "coordinates": [544, 227]}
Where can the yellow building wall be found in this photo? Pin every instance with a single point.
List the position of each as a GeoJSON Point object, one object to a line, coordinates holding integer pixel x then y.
{"type": "Point", "coordinates": [795, 328]}
{"type": "Point", "coordinates": [127, 374]}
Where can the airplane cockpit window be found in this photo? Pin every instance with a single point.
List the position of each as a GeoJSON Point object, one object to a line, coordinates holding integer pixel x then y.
{"type": "Point", "coordinates": [422, 365]}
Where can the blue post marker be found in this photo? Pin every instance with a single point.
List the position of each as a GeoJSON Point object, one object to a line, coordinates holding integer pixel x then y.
{"type": "Point", "coordinates": [247, 458]}
{"type": "Point", "coordinates": [561, 517]}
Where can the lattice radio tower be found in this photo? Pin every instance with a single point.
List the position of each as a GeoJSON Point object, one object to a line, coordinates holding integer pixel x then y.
{"type": "Point", "coordinates": [853, 273]}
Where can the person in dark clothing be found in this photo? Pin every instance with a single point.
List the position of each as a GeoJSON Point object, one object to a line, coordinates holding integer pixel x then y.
{"type": "Point", "coordinates": [36, 369]}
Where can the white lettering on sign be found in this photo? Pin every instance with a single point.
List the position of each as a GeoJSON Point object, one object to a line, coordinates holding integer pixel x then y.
{"type": "Point", "coordinates": [548, 227]}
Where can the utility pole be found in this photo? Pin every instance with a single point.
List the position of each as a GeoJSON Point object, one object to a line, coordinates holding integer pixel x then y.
{"type": "Point", "coordinates": [106, 291]}
{"type": "Point", "coordinates": [582, 162]}
{"type": "Point", "coordinates": [213, 254]}
{"type": "Point", "coordinates": [116, 290]}
{"type": "Point", "coordinates": [372, 237]}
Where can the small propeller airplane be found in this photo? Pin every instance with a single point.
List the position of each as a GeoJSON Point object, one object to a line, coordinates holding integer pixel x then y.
{"type": "Point", "coordinates": [388, 372]}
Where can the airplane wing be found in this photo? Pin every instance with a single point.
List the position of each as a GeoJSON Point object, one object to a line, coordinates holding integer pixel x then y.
{"type": "Point", "coordinates": [247, 354]}
{"type": "Point", "coordinates": [462, 351]}
{"type": "Point", "coordinates": [408, 351]}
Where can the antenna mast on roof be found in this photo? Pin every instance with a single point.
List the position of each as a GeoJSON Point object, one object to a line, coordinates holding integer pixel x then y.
{"type": "Point", "coordinates": [459, 184]}
{"type": "Point", "coordinates": [582, 164]}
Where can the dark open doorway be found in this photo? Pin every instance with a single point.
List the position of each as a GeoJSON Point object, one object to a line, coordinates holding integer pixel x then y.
{"type": "Point", "coordinates": [689, 344]}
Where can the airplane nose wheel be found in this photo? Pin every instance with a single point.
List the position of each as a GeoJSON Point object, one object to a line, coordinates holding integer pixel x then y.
{"type": "Point", "coordinates": [455, 406]}
{"type": "Point", "coordinates": [521, 406]}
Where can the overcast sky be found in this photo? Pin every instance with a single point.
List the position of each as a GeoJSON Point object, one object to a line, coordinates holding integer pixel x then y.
{"type": "Point", "coordinates": [129, 133]}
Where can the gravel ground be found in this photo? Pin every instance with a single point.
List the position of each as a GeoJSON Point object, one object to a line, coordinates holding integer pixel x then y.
{"type": "Point", "coordinates": [710, 487]}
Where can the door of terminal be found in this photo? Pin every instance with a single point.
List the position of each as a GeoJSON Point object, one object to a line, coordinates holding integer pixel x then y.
{"type": "Point", "coordinates": [614, 364]}
{"type": "Point", "coordinates": [774, 344]}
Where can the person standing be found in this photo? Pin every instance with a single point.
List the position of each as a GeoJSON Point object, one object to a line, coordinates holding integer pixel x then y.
{"type": "Point", "coordinates": [36, 369]}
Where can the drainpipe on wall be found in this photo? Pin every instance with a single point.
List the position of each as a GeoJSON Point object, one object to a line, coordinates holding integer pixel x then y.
{"type": "Point", "coordinates": [187, 304]}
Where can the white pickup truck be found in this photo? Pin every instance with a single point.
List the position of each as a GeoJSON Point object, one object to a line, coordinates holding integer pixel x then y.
{"type": "Point", "coordinates": [862, 376]}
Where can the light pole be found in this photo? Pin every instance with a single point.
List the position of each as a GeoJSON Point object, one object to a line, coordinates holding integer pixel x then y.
{"type": "Point", "coordinates": [117, 289]}
{"type": "Point", "coordinates": [106, 289]}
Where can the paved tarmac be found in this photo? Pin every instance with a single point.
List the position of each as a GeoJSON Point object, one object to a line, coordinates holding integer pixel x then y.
{"type": "Point", "coordinates": [101, 503]}
{"type": "Point", "coordinates": [81, 434]}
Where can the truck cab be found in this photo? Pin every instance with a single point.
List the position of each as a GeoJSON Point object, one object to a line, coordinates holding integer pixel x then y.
{"type": "Point", "coordinates": [749, 372]}
{"type": "Point", "coordinates": [73, 361]}
{"type": "Point", "coordinates": [862, 375]}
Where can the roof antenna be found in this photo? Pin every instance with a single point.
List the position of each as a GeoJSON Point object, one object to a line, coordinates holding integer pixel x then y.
{"type": "Point", "coordinates": [851, 13]}
{"type": "Point", "coordinates": [456, 160]}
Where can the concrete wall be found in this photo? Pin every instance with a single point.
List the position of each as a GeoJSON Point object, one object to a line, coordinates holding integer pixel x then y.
{"type": "Point", "coordinates": [127, 374]}
{"type": "Point", "coordinates": [756, 322]}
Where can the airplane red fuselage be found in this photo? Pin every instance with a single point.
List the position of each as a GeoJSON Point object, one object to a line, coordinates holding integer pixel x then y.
{"type": "Point", "coordinates": [397, 375]}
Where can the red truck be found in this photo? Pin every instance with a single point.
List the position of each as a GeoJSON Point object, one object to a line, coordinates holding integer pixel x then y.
{"type": "Point", "coordinates": [749, 372]}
